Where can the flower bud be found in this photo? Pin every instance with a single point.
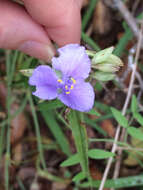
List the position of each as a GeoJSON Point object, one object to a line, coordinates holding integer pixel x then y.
{"type": "Point", "coordinates": [27, 72]}
{"type": "Point", "coordinates": [102, 55]}
{"type": "Point", "coordinates": [102, 76]}
{"type": "Point", "coordinates": [105, 61]}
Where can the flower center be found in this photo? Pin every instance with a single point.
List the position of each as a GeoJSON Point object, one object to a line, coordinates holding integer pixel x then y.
{"type": "Point", "coordinates": [67, 85]}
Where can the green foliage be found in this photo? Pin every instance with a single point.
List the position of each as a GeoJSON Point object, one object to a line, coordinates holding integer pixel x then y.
{"type": "Point", "coordinates": [80, 176]}
{"type": "Point", "coordinates": [88, 13]}
{"type": "Point", "coordinates": [99, 154]}
{"type": "Point", "coordinates": [134, 108]}
{"type": "Point", "coordinates": [72, 160]}
{"type": "Point", "coordinates": [56, 131]}
{"type": "Point", "coordinates": [92, 153]}
{"type": "Point", "coordinates": [134, 104]}
{"type": "Point", "coordinates": [37, 129]}
{"type": "Point", "coordinates": [80, 137]}
{"type": "Point", "coordinates": [120, 118]}
{"type": "Point", "coordinates": [93, 124]}
{"type": "Point", "coordinates": [93, 112]}
{"type": "Point", "coordinates": [123, 182]}
{"type": "Point", "coordinates": [135, 133]}
{"type": "Point", "coordinates": [27, 72]}
{"type": "Point", "coordinates": [50, 105]}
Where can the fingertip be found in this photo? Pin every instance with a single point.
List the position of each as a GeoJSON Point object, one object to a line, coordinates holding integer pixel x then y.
{"type": "Point", "coordinates": [19, 31]}
{"type": "Point", "coordinates": [61, 19]}
{"type": "Point", "coordinates": [38, 50]}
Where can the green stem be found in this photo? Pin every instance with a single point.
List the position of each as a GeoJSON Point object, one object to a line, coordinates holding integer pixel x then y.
{"type": "Point", "coordinates": [8, 105]}
{"type": "Point", "coordinates": [90, 42]}
{"type": "Point", "coordinates": [37, 129]}
{"type": "Point", "coordinates": [80, 137]}
{"type": "Point", "coordinates": [88, 13]}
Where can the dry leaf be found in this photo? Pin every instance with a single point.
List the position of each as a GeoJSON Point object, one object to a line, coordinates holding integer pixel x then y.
{"type": "Point", "coordinates": [17, 153]}
{"type": "Point", "coordinates": [59, 186]}
{"type": "Point", "coordinates": [96, 173]}
{"type": "Point", "coordinates": [108, 127]}
{"type": "Point", "coordinates": [19, 124]}
{"type": "Point", "coordinates": [101, 19]}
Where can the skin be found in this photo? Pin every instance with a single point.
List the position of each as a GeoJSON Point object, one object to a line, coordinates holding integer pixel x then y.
{"type": "Point", "coordinates": [32, 27]}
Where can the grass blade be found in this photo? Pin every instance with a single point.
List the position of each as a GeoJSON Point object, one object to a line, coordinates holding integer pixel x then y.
{"type": "Point", "coordinates": [56, 131]}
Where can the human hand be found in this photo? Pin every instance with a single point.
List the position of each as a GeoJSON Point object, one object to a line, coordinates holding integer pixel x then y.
{"type": "Point", "coordinates": [31, 29]}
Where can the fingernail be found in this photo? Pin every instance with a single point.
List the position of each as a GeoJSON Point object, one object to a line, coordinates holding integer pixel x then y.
{"type": "Point", "coordinates": [38, 50]}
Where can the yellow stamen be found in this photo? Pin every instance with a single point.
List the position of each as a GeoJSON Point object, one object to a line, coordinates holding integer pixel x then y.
{"type": "Point", "coordinates": [73, 80]}
{"type": "Point", "coordinates": [66, 87]}
{"type": "Point", "coordinates": [68, 92]}
{"type": "Point", "coordinates": [59, 80]}
{"type": "Point", "coordinates": [71, 87]}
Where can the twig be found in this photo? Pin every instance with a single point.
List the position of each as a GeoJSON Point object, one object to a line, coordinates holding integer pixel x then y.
{"type": "Point", "coordinates": [127, 16]}
{"type": "Point", "coordinates": [130, 148]}
{"type": "Point", "coordinates": [136, 3]}
{"type": "Point", "coordinates": [118, 163]}
{"type": "Point", "coordinates": [131, 21]}
{"type": "Point", "coordinates": [123, 112]}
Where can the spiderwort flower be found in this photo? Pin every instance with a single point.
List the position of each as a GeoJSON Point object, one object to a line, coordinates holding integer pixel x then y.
{"type": "Point", "coordinates": [65, 80]}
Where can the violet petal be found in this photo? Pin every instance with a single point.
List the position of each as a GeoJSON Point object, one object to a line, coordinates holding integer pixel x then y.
{"type": "Point", "coordinates": [73, 61]}
{"type": "Point", "coordinates": [46, 92]}
{"type": "Point", "coordinates": [80, 98]}
{"type": "Point", "coordinates": [45, 80]}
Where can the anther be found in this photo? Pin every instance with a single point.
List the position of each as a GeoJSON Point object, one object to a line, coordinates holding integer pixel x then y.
{"type": "Point", "coordinates": [59, 80]}
{"type": "Point", "coordinates": [68, 92]}
{"type": "Point", "coordinates": [73, 80]}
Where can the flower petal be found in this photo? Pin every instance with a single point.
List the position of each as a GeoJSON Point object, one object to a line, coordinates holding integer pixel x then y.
{"type": "Point", "coordinates": [45, 80]}
{"type": "Point", "coordinates": [81, 97]}
{"type": "Point", "coordinates": [46, 92]}
{"type": "Point", "coordinates": [43, 75]}
{"type": "Point", "coordinates": [73, 61]}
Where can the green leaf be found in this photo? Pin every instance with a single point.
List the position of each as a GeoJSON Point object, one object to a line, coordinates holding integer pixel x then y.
{"type": "Point", "coordinates": [134, 156]}
{"type": "Point", "coordinates": [102, 107]}
{"type": "Point", "coordinates": [93, 124]}
{"type": "Point", "coordinates": [99, 154]}
{"type": "Point", "coordinates": [134, 107]}
{"type": "Point", "coordinates": [134, 104]}
{"type": "Point", "coordinates": [80, 138]}
{"type": "Point", "coordinates": [139, 118]}
{"type": "Point", "coordinates": [135, 133]}
{"type": "Point", "coordinates": [80, 176]}
{"type": "Point", "coordinates": [119, 117]}
{"type": "Point", "coordinates": [72, 160]}
{"type": "Point", "coordinates": [123, 182]}
{"type": "Point", "coordinates": [48, 105]}
{"type": "Point", "coordinates": [27, 72]}
{"type": "Point", "coordinates": [94, 112]}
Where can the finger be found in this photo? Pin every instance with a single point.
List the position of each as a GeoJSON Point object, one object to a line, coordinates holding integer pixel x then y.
{"type": "Point", "coordinates": [19, 31]}
{"type": "Point", "coordinates": [61, 18]}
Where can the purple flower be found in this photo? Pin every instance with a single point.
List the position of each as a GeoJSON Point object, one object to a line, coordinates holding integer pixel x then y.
{"type": "Point", "coordinates": [66, 80]}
